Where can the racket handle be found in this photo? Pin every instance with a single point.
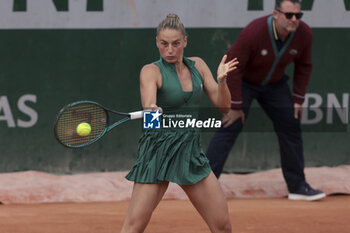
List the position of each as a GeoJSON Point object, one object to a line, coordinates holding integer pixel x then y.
{"type": "Point", "coordinates": [136, 115]}
{"type": "Point", "coordinates": [139, 114]}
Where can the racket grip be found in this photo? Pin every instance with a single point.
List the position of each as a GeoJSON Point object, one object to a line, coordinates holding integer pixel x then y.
{"type": "Point", "coordinates": [139, 114]}
{"type": "Point", "coordinates": [136, 115]}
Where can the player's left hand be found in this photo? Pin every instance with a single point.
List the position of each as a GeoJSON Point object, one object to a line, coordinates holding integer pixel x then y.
{"type": "Point", "coordinates": [225, 68]}
{"type": "Point", "coordinates": [298, 111]}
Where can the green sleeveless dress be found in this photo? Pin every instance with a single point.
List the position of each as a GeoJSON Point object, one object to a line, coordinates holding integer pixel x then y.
{"type": "Point", "coordinates": [172, 154]}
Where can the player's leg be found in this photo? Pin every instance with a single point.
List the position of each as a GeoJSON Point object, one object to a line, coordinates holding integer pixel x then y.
{"type": "Point", "coordinates": [208, 198]}
{"type": "Point", "coordinates": [224, 138]}
{"type": "Point", "coordinates": [144, 199]}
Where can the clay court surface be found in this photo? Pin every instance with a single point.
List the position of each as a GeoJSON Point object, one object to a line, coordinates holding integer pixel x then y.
{"type": "Point", "coordinates": [248, 215]}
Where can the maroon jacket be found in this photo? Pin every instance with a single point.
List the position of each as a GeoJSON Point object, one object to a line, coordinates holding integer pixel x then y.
{"type": "Point", "coordinates": [256, 54]}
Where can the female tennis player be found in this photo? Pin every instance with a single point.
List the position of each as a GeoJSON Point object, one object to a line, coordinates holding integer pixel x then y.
{"type": "Point", "coordinates": [167, 155]}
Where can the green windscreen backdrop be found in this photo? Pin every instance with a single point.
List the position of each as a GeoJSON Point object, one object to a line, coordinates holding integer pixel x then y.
{"type": "Point", "coordinates": [45, 67]}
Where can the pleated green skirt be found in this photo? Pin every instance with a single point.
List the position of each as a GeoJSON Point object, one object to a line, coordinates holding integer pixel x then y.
{"type": "Point", "coordinates": [170, 155]}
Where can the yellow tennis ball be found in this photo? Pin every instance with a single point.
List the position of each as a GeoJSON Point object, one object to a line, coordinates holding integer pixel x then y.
{"type": "Point", "coordinates": [84, 129]}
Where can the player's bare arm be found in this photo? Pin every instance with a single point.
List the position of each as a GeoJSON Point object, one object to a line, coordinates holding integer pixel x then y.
{"type": "Point", "coordinates": [150, 81]}
{"type": "Point", "coordinates": [218, 93]}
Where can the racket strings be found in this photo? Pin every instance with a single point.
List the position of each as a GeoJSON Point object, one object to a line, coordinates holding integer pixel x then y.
{"type": "Point", "coordinates": [66, 129]}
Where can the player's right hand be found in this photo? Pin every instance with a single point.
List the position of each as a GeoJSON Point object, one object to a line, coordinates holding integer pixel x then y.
{"type": "Point", "coordinates": [232, 116]}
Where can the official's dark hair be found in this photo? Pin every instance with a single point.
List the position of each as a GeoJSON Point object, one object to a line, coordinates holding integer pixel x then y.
{"type": "Point", "coordinates": [172, 21]}
{"type": "Point", "coordinates": [279, 3]}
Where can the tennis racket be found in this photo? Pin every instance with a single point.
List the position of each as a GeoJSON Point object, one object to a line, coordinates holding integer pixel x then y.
{"type": "Point", "coordinates": [96, 115]}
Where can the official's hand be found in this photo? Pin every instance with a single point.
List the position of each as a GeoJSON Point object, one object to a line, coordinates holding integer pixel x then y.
{"type": "Point", "coordinates": [225, 68]}
{"type": "Point", "coordinates": [232, 116]}
{"type": "Point", "coordinates": [298, 111]}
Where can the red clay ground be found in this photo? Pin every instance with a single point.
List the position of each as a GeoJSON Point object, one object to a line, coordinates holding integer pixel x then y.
{"type": "Point", "coordinates": [264, 215]}
{"type": "Point", "coordinates": [34, 187]}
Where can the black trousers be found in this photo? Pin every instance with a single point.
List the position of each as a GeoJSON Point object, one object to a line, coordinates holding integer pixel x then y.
{"type": "Point", "coordinates": [276, 101]}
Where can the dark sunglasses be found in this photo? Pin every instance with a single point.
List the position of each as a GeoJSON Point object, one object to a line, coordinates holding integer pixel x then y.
{"type": "Point", "coordinates": [289, 15]}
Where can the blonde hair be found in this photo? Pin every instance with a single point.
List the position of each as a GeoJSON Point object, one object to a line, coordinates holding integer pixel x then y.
{"type": "Point", "coordinates": [172, 21]}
